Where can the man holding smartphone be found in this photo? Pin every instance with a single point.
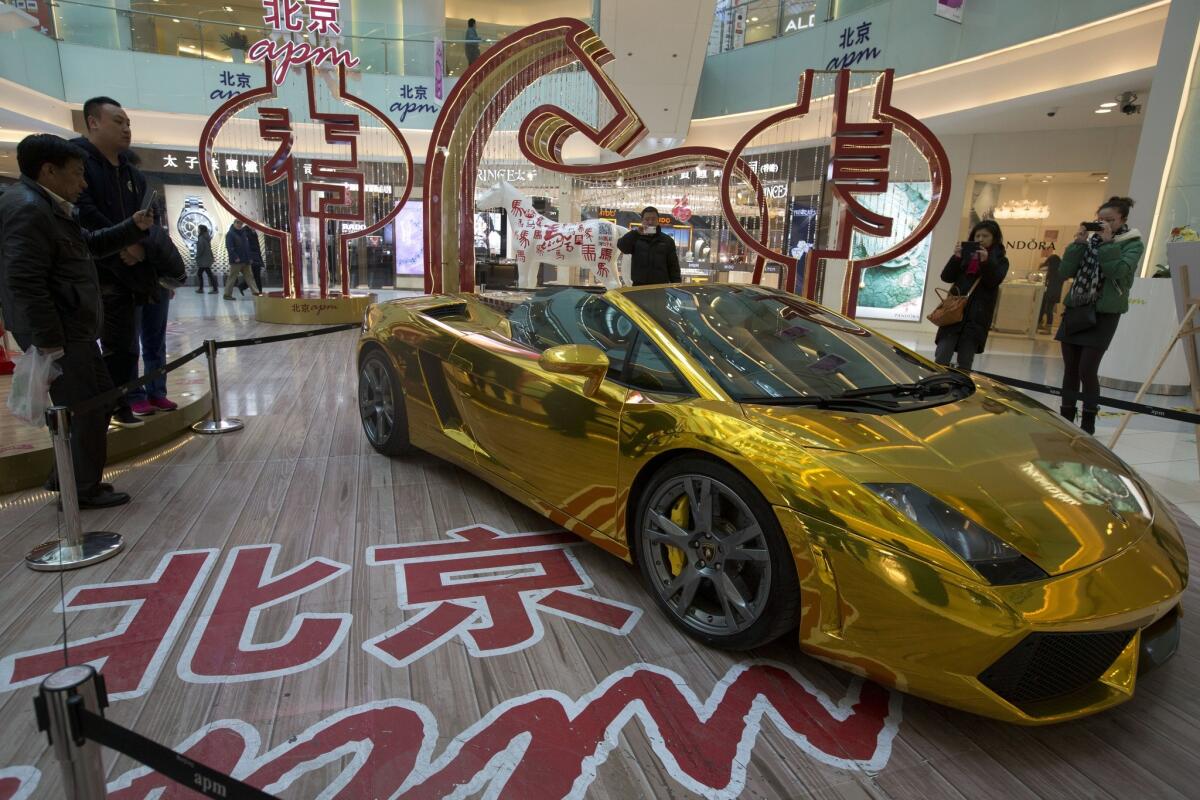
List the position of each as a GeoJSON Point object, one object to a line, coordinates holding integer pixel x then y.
{"type": "Point", "coordinates": [654, 257]}
{"type": "Point", "coordinates": [115, 190]}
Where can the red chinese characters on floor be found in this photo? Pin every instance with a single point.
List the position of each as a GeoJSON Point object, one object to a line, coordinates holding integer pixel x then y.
{"type": "Point", "coordinates": [489, 589]}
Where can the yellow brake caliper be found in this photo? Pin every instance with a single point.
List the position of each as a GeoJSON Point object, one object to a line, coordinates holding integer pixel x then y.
{"type": "Point", "coordinates": [680, 515]}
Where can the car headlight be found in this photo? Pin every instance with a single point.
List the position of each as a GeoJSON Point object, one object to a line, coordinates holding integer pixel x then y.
{"type": "Point", "coordinates": [996, 560]}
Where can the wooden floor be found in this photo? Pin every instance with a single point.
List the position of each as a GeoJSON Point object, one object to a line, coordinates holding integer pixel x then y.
{"type": "Point", "coordinates": [607, 703]}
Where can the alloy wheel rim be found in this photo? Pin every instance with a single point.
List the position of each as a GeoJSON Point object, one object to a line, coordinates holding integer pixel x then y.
{"type": "Point", "coordinates": [721, 584]}
{"type": "Point", "coordinates": [376, 405]}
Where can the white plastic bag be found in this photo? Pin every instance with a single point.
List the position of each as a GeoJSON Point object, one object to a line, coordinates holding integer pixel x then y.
{"type": "Point", "coordinates": [29, 396]}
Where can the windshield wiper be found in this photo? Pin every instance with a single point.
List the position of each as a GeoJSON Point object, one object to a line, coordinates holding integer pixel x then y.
{"type": "Point", "coordinates": [838, 402]}
{"type": "Point", "coordinates": [940, 383]}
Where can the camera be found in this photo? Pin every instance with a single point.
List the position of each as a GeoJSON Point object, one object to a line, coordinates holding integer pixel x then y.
{"type": "Point", "coordinates": [968, 248]}
{"type": "Point", "coordinates": [1128, 103]}
{"type": "Point", "coordinates": [1052, 112]}
{"type": "Point", "coordinates": [1094, 227]}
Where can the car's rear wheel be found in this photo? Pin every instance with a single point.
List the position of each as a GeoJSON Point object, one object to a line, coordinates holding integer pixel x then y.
{"type": "Point", "coordinates": [381, 405]}
{"type": "Point", "coordinates": [714, 557]}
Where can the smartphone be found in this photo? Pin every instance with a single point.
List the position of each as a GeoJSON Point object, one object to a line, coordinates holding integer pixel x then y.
{"type": "Point", "coordinates": [1094, 227]}
{"type": "Point", "coordinates": [151, 196]}
{"type": "Point", "coordinates": [969, 247]}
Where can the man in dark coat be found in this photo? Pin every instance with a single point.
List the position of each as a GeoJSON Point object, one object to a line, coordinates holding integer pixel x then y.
{"type": "Point", "coordinates": [115, 189]}
{"type": "Point", "coordinates": [654, 257]}
{"type": "Point", "coordinates": [241, 257]}
{"type": "Point", "coordinates": [256, 259]}
{"type": "Point", "coordinates": [50, 293]}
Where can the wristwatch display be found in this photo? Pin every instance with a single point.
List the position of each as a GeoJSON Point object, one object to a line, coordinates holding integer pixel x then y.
{"type": "Point", "coordinates": [191, 217]}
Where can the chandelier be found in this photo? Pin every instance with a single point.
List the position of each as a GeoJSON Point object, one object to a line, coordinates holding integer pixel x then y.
{"type": "Point", "coordinates": [1023, 208]}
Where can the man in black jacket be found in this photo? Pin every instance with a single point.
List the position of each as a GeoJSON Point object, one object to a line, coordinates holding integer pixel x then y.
{"type": "Point", "coordinates": [654, 258]}
{"type": "Point", "coordinates": [115, 189]}
{"type": "Point", "coordinates": [51, 296]}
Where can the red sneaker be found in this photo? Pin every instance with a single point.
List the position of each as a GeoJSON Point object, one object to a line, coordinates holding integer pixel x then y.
{"type": "Point", "coordinates": [142, 408]}
{"type": "Point", "coordinates": [163, 404]}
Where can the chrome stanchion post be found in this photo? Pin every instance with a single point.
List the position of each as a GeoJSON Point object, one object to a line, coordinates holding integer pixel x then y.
{"type": "Point", "coordinates": [82, 766]}
{"type": "Point", "coordinates": [217, 424]}
{"type": "Point", "coordinates": [76, 548]}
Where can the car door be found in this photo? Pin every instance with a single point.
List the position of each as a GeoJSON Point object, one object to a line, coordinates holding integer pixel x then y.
{"type": "Point", "coordinates": [538, 430]}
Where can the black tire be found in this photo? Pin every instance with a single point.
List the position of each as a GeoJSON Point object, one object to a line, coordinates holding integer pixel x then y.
{"type": "Point", "coordinates": [381, 405]}
{"type": "Point", "coordinates": [738, 554]}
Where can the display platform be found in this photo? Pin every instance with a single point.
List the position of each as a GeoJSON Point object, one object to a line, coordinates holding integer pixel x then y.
{"type": "Point", "coordinates": [310, 309]}
{"type": "Point", "coordinates": [26, 453]}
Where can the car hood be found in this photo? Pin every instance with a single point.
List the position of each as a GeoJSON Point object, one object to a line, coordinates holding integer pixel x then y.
{"type": "Point", "coordinates": [1001, 459]}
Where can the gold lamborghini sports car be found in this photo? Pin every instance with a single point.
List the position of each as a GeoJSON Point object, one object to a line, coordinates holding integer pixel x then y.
{"type": "Point", "coordinates": [773, 467]}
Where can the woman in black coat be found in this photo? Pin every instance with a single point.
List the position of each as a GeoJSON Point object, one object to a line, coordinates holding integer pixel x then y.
{"type": "Point", "coordinates": [979, 272]}
{"type": "Point", "coordinates": [204, 260]}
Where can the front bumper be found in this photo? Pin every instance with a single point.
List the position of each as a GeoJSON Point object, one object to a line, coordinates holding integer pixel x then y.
{"type": "Point", "coordinates": [1035, 653]}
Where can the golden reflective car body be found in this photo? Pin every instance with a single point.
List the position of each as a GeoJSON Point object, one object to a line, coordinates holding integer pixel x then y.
{"type": "Point", "coordinates": [881, 596]}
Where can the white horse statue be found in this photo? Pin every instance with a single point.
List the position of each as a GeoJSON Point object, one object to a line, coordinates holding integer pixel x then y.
{"type": "Point", "coordinates": [591, 245]}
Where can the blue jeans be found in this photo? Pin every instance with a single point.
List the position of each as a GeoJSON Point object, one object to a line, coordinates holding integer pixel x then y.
{"type": "Point", "coordinates": [150, 328]}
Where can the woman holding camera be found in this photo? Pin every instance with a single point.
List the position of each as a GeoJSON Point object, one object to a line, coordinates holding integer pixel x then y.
{"type": "Point", "coordinates": [976, 270]}
{"type": "Point", "coordinates": [1102, 259]}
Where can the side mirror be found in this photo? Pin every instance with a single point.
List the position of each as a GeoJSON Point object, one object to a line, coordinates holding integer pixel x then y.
{"type": "Point", "coordinates": [577, 359]}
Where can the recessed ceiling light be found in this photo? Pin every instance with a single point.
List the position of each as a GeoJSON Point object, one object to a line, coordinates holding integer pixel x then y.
{"type": "Point", "coordinates": [1045, 180]}
{"type": "Point", "coordinates": [1103, 110]}
{"type": "Point", "coordinates": [241, 27]}
{"type": "Point", "coordinates": [174, 20]}
{"type": "Point", "coordinates": [754, 19]}
{"type": "Point", "coordinates": [1108, 105]}
{"type": "Point", "coordinates": [228, 9]}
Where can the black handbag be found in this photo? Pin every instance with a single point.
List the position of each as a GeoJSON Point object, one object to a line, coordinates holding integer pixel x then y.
{"type": "Point", "coordinates": [1076, 319]}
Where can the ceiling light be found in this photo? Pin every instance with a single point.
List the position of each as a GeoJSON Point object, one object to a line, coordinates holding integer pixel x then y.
{"type": "Point", "coordinates": [228, 9]}
{"type": "Point", "coordinates": [754, 19]}
{"type": "Point", "coordinates": [1108, 105]}
{"type": "Point", "coordinates": [174, 20]}
{"type": "Point", "coordinates": [1103, 110]}
{"type": "Point", "coordinates": [1003, 178]}
{"type": "Point", "coordinates": [1045, 180]}
{"type": "Point", "coordinates": [241, 27]}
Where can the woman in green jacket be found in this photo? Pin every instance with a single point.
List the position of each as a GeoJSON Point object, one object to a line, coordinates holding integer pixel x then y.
{"type": "Point", "coordinates": [1103, 265]}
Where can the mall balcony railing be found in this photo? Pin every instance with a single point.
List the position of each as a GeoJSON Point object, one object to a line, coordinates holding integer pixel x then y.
{"type": "Point", "coordinates": [94, 24]}
{"type": "Point", "coordinates": [746, 22]}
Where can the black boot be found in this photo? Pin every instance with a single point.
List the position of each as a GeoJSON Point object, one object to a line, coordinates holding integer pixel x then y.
{"type": "Point", "coordinates": [1068, 413]}
{"type": "Point", "coordinates": [1088, 421]}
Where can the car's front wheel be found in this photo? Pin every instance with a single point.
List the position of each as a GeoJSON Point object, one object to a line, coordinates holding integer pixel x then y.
{"type": "Point", "coordinates": [714, 557]}
{"type": "Point", "coordinates": [381, 405]}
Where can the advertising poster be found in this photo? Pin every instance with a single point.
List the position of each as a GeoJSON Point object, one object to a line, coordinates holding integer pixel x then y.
{"type": "Point", "coordinates": [801, 234]}
{"type": "Point", "coordinates": [410, 239]}
{"type": "Point", "coordinates": [895, 289]}
{"type": "Point", "coordinates": [189, 207]}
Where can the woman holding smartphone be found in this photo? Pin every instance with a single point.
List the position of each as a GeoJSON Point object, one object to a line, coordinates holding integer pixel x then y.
{"type": "Point", "coordinates": [976, 269]}
{"type": "Point", "coordinates": [1102, 259]}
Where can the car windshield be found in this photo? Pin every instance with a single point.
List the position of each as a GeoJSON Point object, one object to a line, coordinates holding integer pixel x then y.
{"type": "Point", "coordinates": [763, 345]}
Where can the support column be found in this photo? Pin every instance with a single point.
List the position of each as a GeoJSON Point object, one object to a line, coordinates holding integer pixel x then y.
{"type": "Point", "coordinates": [1166, 170]}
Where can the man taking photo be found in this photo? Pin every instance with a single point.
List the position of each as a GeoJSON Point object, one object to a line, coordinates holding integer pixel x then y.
{"type": "Point", "coordinates": [50, 293]}
{"type": "Point", "coordinates": [654, 258]}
